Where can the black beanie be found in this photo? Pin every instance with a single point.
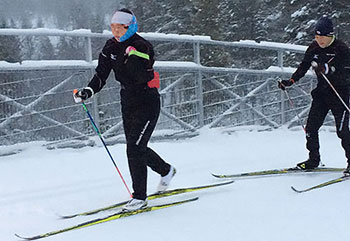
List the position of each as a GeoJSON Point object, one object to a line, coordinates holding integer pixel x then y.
{"type": "Point", "coordinates": [324, 27]}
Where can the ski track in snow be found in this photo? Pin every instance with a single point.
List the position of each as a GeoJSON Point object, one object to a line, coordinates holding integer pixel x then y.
{"type": "Point", "coordinates": [37, 184]}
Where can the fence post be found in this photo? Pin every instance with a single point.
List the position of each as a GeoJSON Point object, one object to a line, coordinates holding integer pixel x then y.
{"type": "Point", "coordinates": [196, 53]}
{"type": "Point", "coordinates": [88, 58]}
{"type": "Point", "coordinates": [280, 58]}
{"type": "Point", "coordinates": [283, 106]}
{"type": "Point", "coordinates": [88, 49]}
{"type": "Point", "coordinates": [283, 109]}
{"type": "Point", "coordinates": [200, 98]}
{"type": "Point", "coordinates": [197, 60]}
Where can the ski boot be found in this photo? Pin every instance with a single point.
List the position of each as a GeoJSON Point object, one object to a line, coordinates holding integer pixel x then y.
{"type": "Point", "coordinates": [135, 204]}
{"type": "Point", "coordinates": [165, 181]}
{"type": "Point", "coordinates": [310, 163]}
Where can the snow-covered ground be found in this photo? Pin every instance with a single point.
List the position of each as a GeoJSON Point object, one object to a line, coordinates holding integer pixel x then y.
{"type": "Point", "coordinates": [37, 184]}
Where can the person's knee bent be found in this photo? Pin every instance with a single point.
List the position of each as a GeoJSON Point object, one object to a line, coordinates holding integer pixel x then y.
{"type": "Point", "coordinates": [135, 150]}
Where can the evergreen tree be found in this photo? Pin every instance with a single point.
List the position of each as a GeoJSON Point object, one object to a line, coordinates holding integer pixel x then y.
{"type": "Point", "coordinates": [212, 24]}
{"type": "Point", "coordinates": [229, 22]}
{"type": "Point", "coordinates": [79, 15]}
{"type": "Point", "coordinates": [27, 42]}
{"type": "Point", "coordinates": [207, 16]}
{"type": "Point", "coordinates": [290, 21]}
{"type": "Point", "coordinates": [300, 29]}
{"type": "Point", "coordinates": [70, 48]}
{"type": "Point", "coordinates": [343, 24]}
{"type": "Point", "coordinates": [97, 26]}
{"type": "Point", "coordinates": [44, 49]}
{"type": "Point", "coordinates": [10, 46]}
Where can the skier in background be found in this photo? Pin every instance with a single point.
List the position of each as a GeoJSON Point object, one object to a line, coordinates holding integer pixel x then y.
{"type": "Point", "coordinates": [131, 58]}
{"type": "Point", "coordinates": [331, 57]}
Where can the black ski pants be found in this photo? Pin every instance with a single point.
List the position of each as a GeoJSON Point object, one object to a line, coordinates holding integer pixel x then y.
{"type": "Point", "coordinates": [324, 100]}
{"type": "Point", "coordinates": [140, 112]}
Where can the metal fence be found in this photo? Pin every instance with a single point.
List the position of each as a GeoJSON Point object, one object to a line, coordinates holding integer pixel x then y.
{"type": "Point", "coordinates": [36, 97]}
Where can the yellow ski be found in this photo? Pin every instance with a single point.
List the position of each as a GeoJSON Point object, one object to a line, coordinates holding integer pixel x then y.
{"type": "Point", "coordinates": [337, 180]}
{"type": "Point", "coordinates": [279, 172]}
{"type": "Point", "coordinates": [150, 197]}
{"type": "Point", "coordinates": [114, 216]}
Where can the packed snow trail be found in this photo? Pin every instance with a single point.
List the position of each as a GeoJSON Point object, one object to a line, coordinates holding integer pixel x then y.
{"type": "Point", "coordinates": [37, 184]}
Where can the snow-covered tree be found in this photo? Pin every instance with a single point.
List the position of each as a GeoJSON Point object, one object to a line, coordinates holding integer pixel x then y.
{"type": "Point", "coordinates": [44, 49]}
{"type": "Point", "coordinates": [10, 47]}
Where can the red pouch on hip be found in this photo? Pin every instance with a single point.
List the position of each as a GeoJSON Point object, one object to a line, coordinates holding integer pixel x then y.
{"type": "Point", "coordinates": [155, 82]}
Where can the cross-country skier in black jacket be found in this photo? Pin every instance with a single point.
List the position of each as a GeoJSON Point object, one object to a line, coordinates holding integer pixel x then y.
{"type": "Point", "coordinates": [131, 58]}
{"type": "Point", "coordinates": [331, 58]}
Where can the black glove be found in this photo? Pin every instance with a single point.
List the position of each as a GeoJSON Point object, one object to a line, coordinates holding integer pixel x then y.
{"type": "Point", "coordinates": [322, 68]}
{"type": "Point", "coordinates": [82, 95]}
{"type": "Point", "coordinates": [284, 83]}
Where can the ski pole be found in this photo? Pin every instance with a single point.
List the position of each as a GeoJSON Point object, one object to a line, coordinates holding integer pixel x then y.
{"type": "Point", "coordinates": [293, 108]}
{"type": "Point", "coordinates": [314, 65]}
{"type": "Point", "coordinates": [103, 142]}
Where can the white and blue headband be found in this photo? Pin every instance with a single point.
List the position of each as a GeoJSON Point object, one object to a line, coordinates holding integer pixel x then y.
{"type": "Point", "coordinates": [122, 18]}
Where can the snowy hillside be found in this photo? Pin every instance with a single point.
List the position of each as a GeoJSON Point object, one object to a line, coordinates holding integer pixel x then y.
{"type": "Point", "coordinates": [37, 184]}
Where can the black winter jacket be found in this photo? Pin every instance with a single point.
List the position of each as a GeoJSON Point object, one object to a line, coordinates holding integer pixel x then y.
{"type": "Point", "coordinates": [337, 55]}
{"type": "Point", "coordinates": [132, 71]}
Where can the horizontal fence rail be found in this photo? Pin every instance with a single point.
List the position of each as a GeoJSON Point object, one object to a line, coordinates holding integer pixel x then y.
{"type": "Point", "coordinates": [36, 101]}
